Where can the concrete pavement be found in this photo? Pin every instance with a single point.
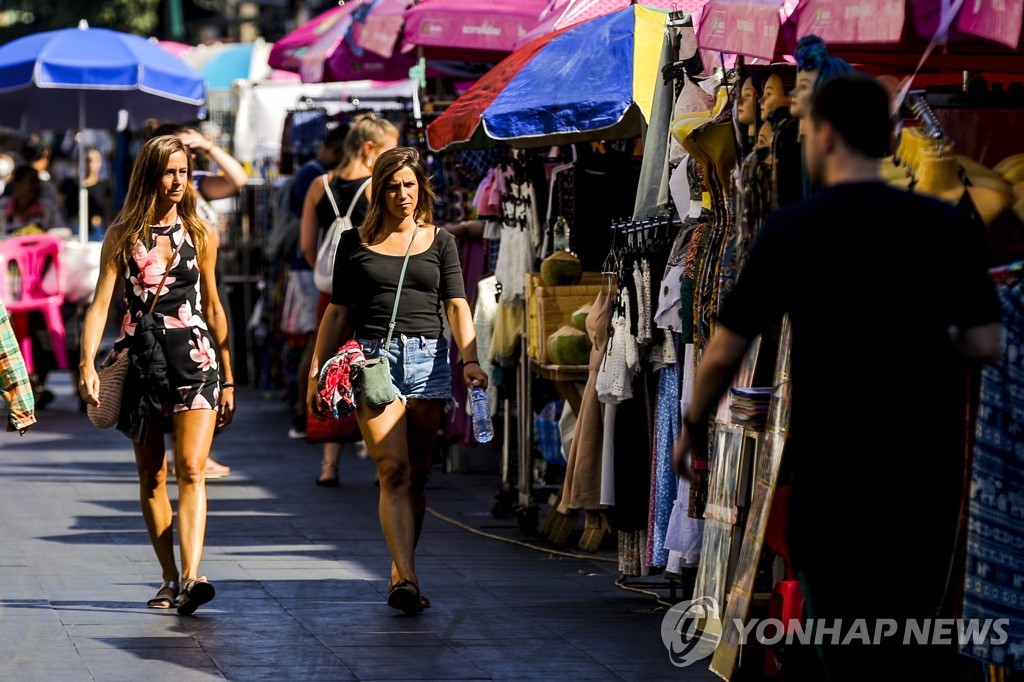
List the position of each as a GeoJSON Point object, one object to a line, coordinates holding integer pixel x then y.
{"type": "Point", "coordinates": [301, 574]}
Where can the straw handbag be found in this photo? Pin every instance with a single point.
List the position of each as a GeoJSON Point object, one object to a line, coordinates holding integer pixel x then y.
{"type": "Point", "coordinates": [112, 376]}
{"type": "Point", "coordinates": [111, 387]}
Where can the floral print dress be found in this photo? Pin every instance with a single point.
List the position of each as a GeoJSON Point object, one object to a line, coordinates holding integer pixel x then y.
{"type": "Point", "coordinates": [193, 371]}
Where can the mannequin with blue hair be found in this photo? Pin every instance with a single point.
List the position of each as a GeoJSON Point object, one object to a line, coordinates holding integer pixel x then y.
{"type": "Point", "coordinates": [814, 66]}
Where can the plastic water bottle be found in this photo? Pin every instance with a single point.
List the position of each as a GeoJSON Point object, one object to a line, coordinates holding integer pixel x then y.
{"type": "Point", "coordinates": [560, 231]}
{"type": "Point", "coordinates": [480, 408]}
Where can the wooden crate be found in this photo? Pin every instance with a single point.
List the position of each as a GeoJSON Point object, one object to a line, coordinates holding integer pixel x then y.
{"type": "Point", "coordinates": [548, 309]}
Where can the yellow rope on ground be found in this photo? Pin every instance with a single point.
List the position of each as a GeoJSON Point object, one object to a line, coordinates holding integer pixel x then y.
{"type": "Point", "coordinates": [518, 543]}
{"type": "Point", "coordinates": [621, 584]}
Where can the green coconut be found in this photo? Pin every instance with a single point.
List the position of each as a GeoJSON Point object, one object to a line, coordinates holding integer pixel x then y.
{"type": "Point", "coordinates": [561, 269]}
{"type": "Point", "coordinates": [579, 318]}
{"type": "Point", "coordinates": [569, 346]}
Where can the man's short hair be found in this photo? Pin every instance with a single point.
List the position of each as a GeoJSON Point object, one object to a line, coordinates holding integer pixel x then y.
{"type": "Point", "coordinates": [857, 106]}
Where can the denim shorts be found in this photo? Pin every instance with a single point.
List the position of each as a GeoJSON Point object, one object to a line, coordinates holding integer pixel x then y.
{"type": "Point", "coordinates": [419, 366]}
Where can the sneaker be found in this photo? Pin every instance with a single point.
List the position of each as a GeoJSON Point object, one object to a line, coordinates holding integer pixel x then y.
{"type": "Point", "coordinates": [298, 428]}
{"type": "Point", "coordinates": [361, 451]}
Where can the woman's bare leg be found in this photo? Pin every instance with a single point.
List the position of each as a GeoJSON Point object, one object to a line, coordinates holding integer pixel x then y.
{"type": "Point", "coordinates": [329, 464]}
{"type": "Point", "coordinates": [423, 419]}
{"type": "Point", "coordinates": [193, 436]}
{"type": "Point", "coordinates": [384, 431]}
{"type": "Point", "coordinates": [156, 505]}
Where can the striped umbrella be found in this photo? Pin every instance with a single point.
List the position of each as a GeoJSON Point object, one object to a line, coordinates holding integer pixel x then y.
{"type": "Point", "coordinates": [591, 81]}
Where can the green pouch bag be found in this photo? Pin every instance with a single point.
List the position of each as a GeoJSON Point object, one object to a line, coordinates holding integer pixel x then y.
{"type": "Point", "coordinates": [375, 383]}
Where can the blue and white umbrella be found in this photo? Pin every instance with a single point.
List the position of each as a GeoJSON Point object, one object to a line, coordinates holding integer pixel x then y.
{"type": "Point", "coordinates": [83, 77]}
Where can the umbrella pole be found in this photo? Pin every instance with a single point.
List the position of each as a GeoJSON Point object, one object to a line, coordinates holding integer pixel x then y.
{"type": "Point", "coordinates": [83, 193]}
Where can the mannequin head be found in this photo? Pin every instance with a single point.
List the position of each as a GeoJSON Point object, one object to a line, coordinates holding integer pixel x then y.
{"type": "Point", "coordinates": [849, 130]}
{"type": "Point", "coordinates": [814, 67]}
{"type": "Point", "coordinates": [747, 112]}
{"type": "Point", "coordinates": [778, 81]}
{"type": "Point", "coordinates": [765, 136]}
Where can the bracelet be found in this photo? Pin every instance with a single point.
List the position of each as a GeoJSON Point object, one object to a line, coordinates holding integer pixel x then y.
{"type": "Point", "coordinates": [471, 362]}
{"type": "Point", "coordinates": [227, 384]}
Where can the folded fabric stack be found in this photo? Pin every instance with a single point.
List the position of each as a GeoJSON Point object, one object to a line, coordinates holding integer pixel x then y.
{"type": "Point", "coordinates": [750, 407]}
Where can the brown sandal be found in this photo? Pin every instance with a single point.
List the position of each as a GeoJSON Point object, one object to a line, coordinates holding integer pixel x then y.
{"type": "Point", "coordinates": [165, 601]}
{"type": "Point", "coordinates": [194, 593]}
{"type": "Point", "coordinates": [406, 597]}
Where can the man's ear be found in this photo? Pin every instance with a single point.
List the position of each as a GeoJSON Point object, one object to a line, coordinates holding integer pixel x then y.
{"type": "Point", "coordinates": [829, 137]}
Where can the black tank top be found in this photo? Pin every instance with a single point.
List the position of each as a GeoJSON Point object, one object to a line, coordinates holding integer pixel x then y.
{"type": "Point", "coordinates": [344, 191]}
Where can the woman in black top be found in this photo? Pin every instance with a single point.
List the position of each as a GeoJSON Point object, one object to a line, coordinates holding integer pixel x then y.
{"type": "Point", "coordinates": [368, 137]}
{"type": "Point", "coordinates": [400, 436]}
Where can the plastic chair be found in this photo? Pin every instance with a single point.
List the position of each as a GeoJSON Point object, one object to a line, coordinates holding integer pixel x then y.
{"type": "Point", "coordinates": [30, 280]}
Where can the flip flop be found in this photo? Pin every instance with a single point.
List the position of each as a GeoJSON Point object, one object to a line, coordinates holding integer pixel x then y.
{"type": "Point", "coordinates": [195, 593]}
{"type": "Point", "coordinates": [405, 596]}
{"type": "Point", "coordinates": [164, 601]}
{"type": "Point", "coordinates": [424, 601]}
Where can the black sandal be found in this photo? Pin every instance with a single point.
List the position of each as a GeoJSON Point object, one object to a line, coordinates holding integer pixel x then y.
{"type": "Point", "coordinates": [194, 593]}
{"type": "Point", "coordinates": [406, 597]}
{"type": "Point", "coordinates": [165, 601]}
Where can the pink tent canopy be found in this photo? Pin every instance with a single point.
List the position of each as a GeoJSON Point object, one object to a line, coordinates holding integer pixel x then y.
{"type": "Point", "coordinates": [884, 32]}
{"type": "Point", "coordinates": [564, 13]}
{"type": "Point", "coordinates": [463, 29]}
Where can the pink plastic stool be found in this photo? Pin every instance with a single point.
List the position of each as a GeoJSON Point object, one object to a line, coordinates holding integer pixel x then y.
{"type": "Point", "coordinates": [24, 264]}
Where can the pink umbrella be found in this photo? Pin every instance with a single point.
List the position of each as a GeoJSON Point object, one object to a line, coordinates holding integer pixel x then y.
{"type": "Point", "coordinates": [472, 30]}
{"type": "Point", "coordinates": [323, 51]}
{"type": "Point", "coordinates": [179, 50]}
{"type": "Point", "coordinates": [288, 51]}
{"type": "Point", "coordinates": [885, 32]}
{"type": "Point", "coordinates": [378, 29]}
{"type": "Point", "coordinates": [564, 13]}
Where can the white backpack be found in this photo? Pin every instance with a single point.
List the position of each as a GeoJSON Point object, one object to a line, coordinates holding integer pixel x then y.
{"type": "Point", "coordinates": [323, 273]}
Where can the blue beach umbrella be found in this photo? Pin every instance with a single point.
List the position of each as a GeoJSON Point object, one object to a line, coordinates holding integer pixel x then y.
{"type": "Point", "coordinates": [82, 77]}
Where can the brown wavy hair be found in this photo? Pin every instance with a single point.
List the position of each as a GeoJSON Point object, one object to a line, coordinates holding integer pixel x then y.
{"type": "Point", "coordinates": [139, 213]}
{"type": "Point", "coordinates": [389, 163]}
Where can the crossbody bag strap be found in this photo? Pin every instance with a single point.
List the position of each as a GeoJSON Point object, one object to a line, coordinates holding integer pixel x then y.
{"type": "Point", "coordinates": [330, 195]}
{"type": "Point", "coordinates": [355, 199]}
{"type": "Point", "coordinates": [167, 271]}
{"type": "Point", "coordinates": [398, 294]}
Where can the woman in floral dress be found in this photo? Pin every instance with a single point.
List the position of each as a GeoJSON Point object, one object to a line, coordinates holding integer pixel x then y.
{"type": "Point", "coordinates": [158, 247]}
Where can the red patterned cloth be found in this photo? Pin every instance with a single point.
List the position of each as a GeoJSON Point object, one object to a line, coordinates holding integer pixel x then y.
{"type": "Point", "coordinates": [335, 383]}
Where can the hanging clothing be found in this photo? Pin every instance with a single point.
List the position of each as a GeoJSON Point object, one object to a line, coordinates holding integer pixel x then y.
{"type": "Point", "coordinates": [994, 584]}
{"type": "Point", "coordinates": [615, 378]}
{"type": "Point", "coordinates": [582, 487]}
{"type": "Point", "coordinates": [754, 201]}
{"type": "Point", "coordinates": [608, 456]}
{"type": "Point", "coordinates": [485, 311]}
{"type": "Point", "coordinates": [663, 478]}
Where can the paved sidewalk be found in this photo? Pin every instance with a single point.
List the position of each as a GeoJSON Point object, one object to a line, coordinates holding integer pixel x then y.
{"type": "Point", "coordinates": [300, 571]}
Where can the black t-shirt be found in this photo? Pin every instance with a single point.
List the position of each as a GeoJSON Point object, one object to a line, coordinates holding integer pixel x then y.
{"type": "Point", "coordinates": [872, 279]}
{"type": "Point", "coordinates": [367, 281]}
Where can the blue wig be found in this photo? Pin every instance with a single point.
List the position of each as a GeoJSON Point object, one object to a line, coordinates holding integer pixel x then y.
{"type": "Point", "coordinates": [812, 55]}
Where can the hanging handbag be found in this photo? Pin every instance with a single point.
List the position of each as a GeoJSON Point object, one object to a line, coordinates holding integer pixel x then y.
{"type": "Point", "coordinates": [112, 373]}
{"type": "Point", "coordinates": [375, 382]}
{"type": "Point", "coordinates": [323, 273]}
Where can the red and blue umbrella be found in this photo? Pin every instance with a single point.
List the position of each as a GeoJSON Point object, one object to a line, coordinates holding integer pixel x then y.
{"type": "Point", "coordinates": [591, 81]}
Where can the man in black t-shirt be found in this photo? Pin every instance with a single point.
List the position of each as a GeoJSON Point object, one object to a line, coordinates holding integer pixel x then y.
{"type": "Point", "coordinates": [888, 299]}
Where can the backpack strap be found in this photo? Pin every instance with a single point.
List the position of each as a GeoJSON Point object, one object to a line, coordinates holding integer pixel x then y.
{"type": "Point", "coordinates": [355, 199]}
{"type": "Point", "coordinates": [330, 195]}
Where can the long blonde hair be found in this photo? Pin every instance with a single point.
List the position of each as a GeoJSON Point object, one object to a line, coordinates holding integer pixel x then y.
{"type": "Point", "coordinates": [139, 213]}
{"type": "Point", "coordinates": [365, 128]}
{"type": "Point", "coordinates": [389, 163]}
